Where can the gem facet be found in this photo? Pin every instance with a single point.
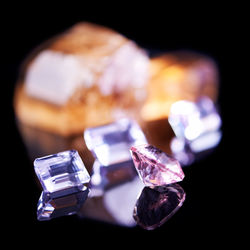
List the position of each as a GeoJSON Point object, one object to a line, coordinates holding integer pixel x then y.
{"type": "Point", "coordinates": [62, 171]}
{"type": "Point", "coordinates": [155, 167]}
{"type": "Point", "coordinates": [110, 143]}
{"type": "Point", "coordinates": [49, 208]}
{"type": "Point", "coordinates": [155, 206]}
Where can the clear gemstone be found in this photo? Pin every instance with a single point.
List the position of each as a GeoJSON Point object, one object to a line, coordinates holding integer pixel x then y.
{"type": "Point", "coordinates": [181, 151]}
{"type": "Point", "coordinates": [155, 206]}
{"type": "Point", "coordinates": [62, 171]}
{"type": "Point", "coordinates": [197, 129]}
{"type": "Point", "coordinates": [155, 167]}
{"type": "Point", "coordinates": [189, 120]}
{"type": "Point", "coordinates": [49, 208]}
{"type": "Point", "coordinates": [187, 152]}
{"type": "Point", "coordinates": [110, 143]}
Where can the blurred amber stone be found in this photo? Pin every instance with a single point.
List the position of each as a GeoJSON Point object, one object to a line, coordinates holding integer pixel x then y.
{"type": "Point", "coordinates": [87, 76]}
{"type": "Point", "coordinates": [183, 75]}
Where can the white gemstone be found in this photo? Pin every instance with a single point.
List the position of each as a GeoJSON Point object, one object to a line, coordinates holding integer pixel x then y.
{"type": "Point", "coordinates": [190, 120]}
{"type": "Point", "coordinates": [61, 171]}
{"type": "Point", "coordinates": [110, 143]}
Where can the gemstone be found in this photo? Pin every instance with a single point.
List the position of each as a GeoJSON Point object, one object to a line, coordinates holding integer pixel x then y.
{"type": "Point", "coordinates": [60, 172]}
{"type": "Point", "coordinates": [181, 151]}
{"type": "Point", "coordinates": [189, 120]}
{"type": "Point", "coordinates": [188, 152]}
{"type": "Point", "coordinates": [155, 206]}
{"type": "Point", "coordinates": [155, 167]}
{"type": "Point", "coordinates": [49, 208]}
{"type": "Point", "coordinates": [106, 177]}
{"type": "Point", "coordinates": [110, 143]}
{"type": "Point", "coordinates": [197, 129]}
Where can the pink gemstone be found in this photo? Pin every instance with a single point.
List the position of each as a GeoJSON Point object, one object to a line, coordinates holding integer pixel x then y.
{"type": "Point", "coordinates": [155, 167]}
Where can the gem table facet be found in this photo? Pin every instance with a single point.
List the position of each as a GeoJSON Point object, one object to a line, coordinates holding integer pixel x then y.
{"type": "Point", "coordinates": [155, 167]}
{"type": "Point", "coordinates": [155, 206]}
{"type": "Point", "coordinates": [110, 143]}
{"type": "Point", "coordinates": [62, 171]}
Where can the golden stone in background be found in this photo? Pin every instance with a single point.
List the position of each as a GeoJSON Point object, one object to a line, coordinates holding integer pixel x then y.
{"type": "Point", "coordinates": [182, 75]}
{"type": "Point", "coordinates": [91, 75]}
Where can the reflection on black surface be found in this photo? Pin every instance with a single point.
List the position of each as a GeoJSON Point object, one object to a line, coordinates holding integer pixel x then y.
{"type": "Point", "coordinates": [106, 177]}
{"type": "Point", "coordinates": [189, 152]}
{"type": "Point", "coordinates": [52, 207]}
{"type": "Point", "coordinates": [115, 205]}
{"type": "Point", "coordinates": [155, 206]}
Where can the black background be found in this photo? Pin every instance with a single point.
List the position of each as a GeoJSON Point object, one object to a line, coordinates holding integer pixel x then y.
{"type": "Point", "coordinates": [206, 217]}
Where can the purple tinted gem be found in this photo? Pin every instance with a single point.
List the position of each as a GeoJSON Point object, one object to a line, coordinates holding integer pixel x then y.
{"type": "Point", "coordinates": [110, 143]}
{"type": "Point", "coordinates": [62, 171]}
{"type": "Point", "coordinates": [155, 206]}
{"type": "Point", "coordinates": [190, 120]}
{"type": "Point", "coordinates": [49, 208]}
{"type": "Point", "coordinates": [155, 167]}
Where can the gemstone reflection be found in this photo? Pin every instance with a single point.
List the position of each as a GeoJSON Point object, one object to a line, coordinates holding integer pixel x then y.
{"type": "Point", "coordinates": [115, 205]}
{"type": "Point", "coordinates": [155, 206]}
{"type": "Point", "coordinates": [49, 208]}
{"type": "Point", "coordinates": [106, 177]}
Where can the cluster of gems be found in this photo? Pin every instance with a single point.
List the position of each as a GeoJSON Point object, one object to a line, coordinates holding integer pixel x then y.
{"type": "Point", "coordinates": [122, 153]}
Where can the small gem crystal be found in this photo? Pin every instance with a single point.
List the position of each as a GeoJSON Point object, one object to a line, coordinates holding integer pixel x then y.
{"type": "Point", "coordinates": [189, 120]}
{"type": "Point", "coordinates": [62, 171]}
{"type": "Point", "coordinates": [155, 167]}
{"type": "Point", "coordinates": [197, 129]}
{"type": "Point", "coordinates": [110, 143]}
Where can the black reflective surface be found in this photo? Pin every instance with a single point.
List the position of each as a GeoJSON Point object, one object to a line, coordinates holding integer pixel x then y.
{"type": "Point", "coordinates": [205, 213]}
